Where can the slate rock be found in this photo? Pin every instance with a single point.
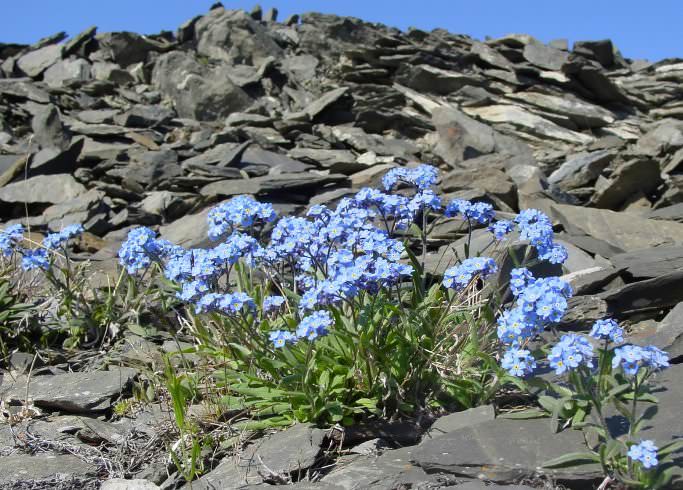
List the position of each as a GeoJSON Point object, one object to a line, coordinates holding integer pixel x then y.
{"type": "Point", "coordinates": [36, 62]}
{"type": "Point", "coordinates": [666, 334]}
{"type": "Point", "coordinates": [504, 451]}
{"type": "Point", "coordinates": [198, 92]}
{"type": "Point", "coordinates": [291, 451]}
{"type": "Point", "coordinates": [125, 48]}
{"type": "Point", "coordinates": [461, 137]}
{"type": "Point", "coordinates": [388, 471]}
{"type": "Point", "coordinates": [22, 467]}
{"type": "Point", "coordinates": [581, 113]}
{"type": "Point", "coordinates": [581, 169]}
{"type": "Point", "coordinates": [122, 484]}
{"type": "Point", "coordinates": [458, 420]}
{"type": "Point", "coordinates": [233, 36]}
{"type": "Point", "coordinates": [650, 262]}
{"type": "Point", "coordinates": [668, 213]}
{"type": "Point", "coordinates": [72, 69]}
{"type": "Point", "coordinates": [634, 176]}
{"type": "Point", "coordinates": [72, 392]}
{"type": "Point", "coordinates": [646, 296]}
{"type": "Point", "coordinates": [490, 180]}
{"type": "Point", "coordinates": [52, 189]}
{"type": "Point", "coordinates": [144, 116]}
{"type": "Point", "coordinates": [328, 99]}
{"type": "Point", "coordinates": [269, 184]}
{"type": "Point", "coordinates": [601, 51]}
{"type": "Point", "coordinates": [623, 231]}
{"type": "Point", "coordinates": [545, 56]}
{"type": "Point", "coordinates": [48, 129]}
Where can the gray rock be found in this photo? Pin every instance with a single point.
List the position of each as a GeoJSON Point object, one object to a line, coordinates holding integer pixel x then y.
{"type": "Point", "coordinates": [528, 122]}
{"type": "Point", "coordinates": [504, 451]}
{"type": "Point", "coordinates": [48, 129]}
{"type": "Point", "coordinates": [650, 262]}
{"type": "Point", "coordinates": [426, 78]}
{"type": "Point", "coordinates": [546, 57]}
{"type": "Point", "coordinates": [271, 184]}
{"type": "Point", "coordinates": [291, 451]}
{"type": "Point", "coordinates": [459, 420]}
{"type": "Point", "coordinates": [22, 467]}
{"type": "Point", "coordinates": [389, 471]}
{"type": "Point", "coordinates": [646, 296]}
{"type": "Point", "coordinates": [665, 137]}
{"type": "Point", "coordinates": [189, 231]}
{"type": "Point", "coordinates": [489, 180]}
{"type": "Point", "coordinates": [52, 189]}
{"type": "Point", "coordinates": [583, 114]}
{"type": "Point", "coordinates": [623, 231]}
{"type": "Point", "coordinates": [591, 280]}
{"type": "Point", "coordinates": [328, 99]}
{"type": "Point", "coordinates": [667, 334]}
{"type": "Point", "coordinates": [22, 88]}
{"type": "Point", "coordinates": [461, 137]}
{"type": "Point", "coordinates": [336, 161]}
{"type": "Point", "coordinates": [581, 169]}
{"type": "Point", "coordinates": [125, 48]}
{"type": "Point", "coordinates": [668, 213]}
{"type": "Point", "coordinates": [67, 70]}
{"type": "Point", "coordinates": [36, 62]}
{"type": "Point", "coordinates": [144, 116]}
{"type": "Point", "coordinates": [80, 209]}
{"type": "Point", "coordinates": [635, 176]}
{"type": "Point", "coordinates": [121, 484]}
{"type": "Point", "coordinates": [233, 36]}
{"type": "Point", "coordinates": [198, 92]}
{"type": "Point", "coordinates": [490, 56]}
{"type": "Point", "coordinates": [601, 51]}
{"type": "Point", "coordinates": [71, 392]}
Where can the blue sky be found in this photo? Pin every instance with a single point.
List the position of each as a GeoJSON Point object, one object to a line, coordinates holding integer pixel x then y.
{"type": "Point", "coordinates": [640, 28]}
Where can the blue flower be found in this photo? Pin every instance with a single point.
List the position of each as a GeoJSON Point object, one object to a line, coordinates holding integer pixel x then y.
{"type": "Point", "coordinates": [272, 303]}
{"type": "Point", "coordinates": [645, 452]}
{"type": "Point", "coordinates": [480, 212]}
{"type": "Point", "coordinates": [140, 249]}
{"type": "Point", "coordinates": [633, 357]}
{"type": "Point", "coordinates": [280, 338]}
{"type": "Point", "coordinates": [314, 325]}
{"type": "Point", "coordinates": [607, 329]}
{"type": "Point", "coordinates": [426, 199]}
{"type": "Point", "coordinates": [9, 239]}
{"type": "Point", "coordinates": [35, 259]}
{"type": "Point", "coordinates": [519, 278]}
{"type": "Point", "coordinates": [56, 240]}
{"type": "Point", "coordinates": [501, 228]}
{"type": "Point", "coordinates": [570, 352]}
{"type": "Point", "coordinates": [423, 177]}
{"type": "Point", "coordinates": [459, 276]}
{"type": "Point", "coordinates": [238, 212]}
{"type": "Point", "coordinates": [518, 362]}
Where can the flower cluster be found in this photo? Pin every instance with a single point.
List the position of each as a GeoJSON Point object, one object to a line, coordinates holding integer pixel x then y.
{"type": "Point", "coordinates": [239, 212]}
{"type": "Point", "coordinates": [422, 177]}
{"type": "Point", "coordinates": [480, 212]}
{"type": "Point", "coordinates": [141, 248]}
{"type": "Point", "coordinates": [10, 238]}
{"type": "Point", "coordinates": [311, 327]}
{"type": "Point", "coordinates": [501, 228]}
{"type": "Point", "coordinates": [645, 452]}
{"type": "Point", "coordinates": [458, 277]}
{"type": "Point", "coordinates": [536, 228]}
{"type": "Point", "coordinates": [36, 258]}
{"type": "Point", "coordinates": [54, 241]}
{"type": "Point", "coordinates": [518, 362]}
{"type": "Point", "coordinates": [571, 352]}
{"type": "Point", "coordinates": [608, 330]}
{"type": "Point", "coordinates": [539, 302]}
{"type": "Point", "coordinates": [231, 304]}
{"type": "Point", "coordinates": [633, 357]}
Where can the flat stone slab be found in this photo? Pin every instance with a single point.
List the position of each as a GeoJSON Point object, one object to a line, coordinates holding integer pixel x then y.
{"type": "Point", "coordinates": [504, 451]}
{"type": "Point", "coordinates": [21, 467]}
{"type": "Point", "coordinates": [71, 392]}
{"type": "Point", "coordinates": [291, 451]}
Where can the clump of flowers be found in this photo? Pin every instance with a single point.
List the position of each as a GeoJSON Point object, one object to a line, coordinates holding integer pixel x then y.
{"type": "Point", "coordinates": [460, 276]}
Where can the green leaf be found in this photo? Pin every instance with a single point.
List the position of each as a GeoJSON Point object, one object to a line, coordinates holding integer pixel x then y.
{"type": "Point", "coordinates": [572, 459]}
{"type": "Point", "coordinates": [669, 448]}
{"type": "Point", "coordinates": [532, 413]}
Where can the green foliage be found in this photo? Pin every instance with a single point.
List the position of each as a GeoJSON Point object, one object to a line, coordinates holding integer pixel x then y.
{"type": "Point", "coordinates": [382, 357]}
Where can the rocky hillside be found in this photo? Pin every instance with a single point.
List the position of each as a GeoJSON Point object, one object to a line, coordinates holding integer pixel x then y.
{"type": "Point", "coordinates": [116, 130]}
